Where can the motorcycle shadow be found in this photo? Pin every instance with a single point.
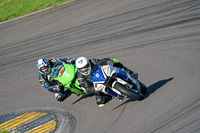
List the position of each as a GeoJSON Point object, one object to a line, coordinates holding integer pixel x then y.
{"type": "Point", "coordinates": [151, 89]}
{"type": "Point", "coordinates": [83, 97]}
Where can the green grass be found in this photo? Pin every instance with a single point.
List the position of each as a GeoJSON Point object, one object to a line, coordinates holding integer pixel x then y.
{"type": "Point", "coordinates": [3, 131]}
{"type": "Point", "coordinates": [10, 9]}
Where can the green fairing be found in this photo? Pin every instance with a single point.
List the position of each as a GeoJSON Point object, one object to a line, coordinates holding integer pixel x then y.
{"type": "Point", "coordinates": [66, 76]}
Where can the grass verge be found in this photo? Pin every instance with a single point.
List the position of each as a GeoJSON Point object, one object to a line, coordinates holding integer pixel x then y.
{"type": "Point", "coordinates": [10, 9]}
{"type": "Point", "coordinates": [3, 131]}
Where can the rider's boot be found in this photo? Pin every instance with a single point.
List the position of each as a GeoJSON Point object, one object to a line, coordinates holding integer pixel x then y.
{"type": "Point", "coordinates": [67, 94]}
{"type": "Point", "coordinates": [120, 98]}
{"type": "Point", "coordinates": [101, 99]}
{"type": "Point", "coordinates": [62, 96]}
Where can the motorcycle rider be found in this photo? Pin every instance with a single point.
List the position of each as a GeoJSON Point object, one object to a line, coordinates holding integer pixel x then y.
{"type": "Point", "coordinates": [84, 66]}
{"type": "Point", "coordinates": [44, 67]}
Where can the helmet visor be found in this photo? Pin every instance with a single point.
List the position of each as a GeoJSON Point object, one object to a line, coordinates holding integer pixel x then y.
{"type": "Point", "coordinates": [44, 69]}
{"type": "Point", "coordinates": [84, 69]}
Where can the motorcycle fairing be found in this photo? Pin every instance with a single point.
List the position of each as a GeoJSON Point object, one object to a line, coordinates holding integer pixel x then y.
{"type": "Point", "coordinates": [110, 70]}
{"type": "Point", "coordinates": [99, 76]}
{"type": "Point", "coordinates": [122, 74]}
{"type": "Point", "coordinates": [65, 74]}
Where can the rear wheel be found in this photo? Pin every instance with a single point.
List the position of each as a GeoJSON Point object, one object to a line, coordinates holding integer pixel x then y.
{"type": "Point", "coordinates": [129, 93]}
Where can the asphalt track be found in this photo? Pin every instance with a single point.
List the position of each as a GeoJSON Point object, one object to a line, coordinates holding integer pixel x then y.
{"type": "Point", "coordinates": [159, 39]}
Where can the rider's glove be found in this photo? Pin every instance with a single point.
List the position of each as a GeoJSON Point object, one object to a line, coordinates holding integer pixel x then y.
{"type": "Point", "coordinates": [54, 60]}
{"type": "Point", "coordinates": [70, 60]}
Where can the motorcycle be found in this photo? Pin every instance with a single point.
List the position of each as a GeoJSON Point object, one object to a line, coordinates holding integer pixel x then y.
{"type": "Point", "coordinates": [116, 82]}
{"type": "Point", "coordinates": [66, 75]}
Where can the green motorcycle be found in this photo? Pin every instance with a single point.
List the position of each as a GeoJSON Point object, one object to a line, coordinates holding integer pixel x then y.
{"type": "Point", "coordinates": [66, 75]}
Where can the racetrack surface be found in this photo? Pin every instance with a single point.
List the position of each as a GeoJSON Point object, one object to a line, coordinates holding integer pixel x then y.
{"type": "Point", "coordinates": [159, 39]}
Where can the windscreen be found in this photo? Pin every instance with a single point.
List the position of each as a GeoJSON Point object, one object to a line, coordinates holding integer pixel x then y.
{"type": "Point", "coordinates": [94, 69]}
{"type": "Point", "coordinates": [57, 70]}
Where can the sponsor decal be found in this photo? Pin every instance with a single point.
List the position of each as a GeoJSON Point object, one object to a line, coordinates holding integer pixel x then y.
{"type": "Point", "coordinates": [95, 85]}
{"type": "Point", "coordinates": [62, 71]}
{"type": "Point", "coordinates": [105, 68]}
{"type": "Point", "coordinates": [97, 75]}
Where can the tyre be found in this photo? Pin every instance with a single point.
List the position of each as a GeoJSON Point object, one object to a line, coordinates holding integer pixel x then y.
{"type": "Point", "coordinates": [129, 93]}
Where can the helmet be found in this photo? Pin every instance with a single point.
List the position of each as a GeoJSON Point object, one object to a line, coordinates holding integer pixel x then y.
{"type": "Point", "coordinates": [83, 65]}
{"type": "Point", "coordinates": [42, 66]}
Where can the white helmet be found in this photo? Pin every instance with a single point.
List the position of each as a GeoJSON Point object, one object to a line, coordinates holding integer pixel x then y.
{"type": "Point", "coordinates": [42, 65]}
{"type": "Point", "coordinates": [83, 65]}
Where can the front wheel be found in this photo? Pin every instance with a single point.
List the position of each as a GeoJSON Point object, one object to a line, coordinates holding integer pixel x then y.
{"type": "Point", "coordinates": [129, 93]}
{"type": "Point", "coordinates": [143, 88]}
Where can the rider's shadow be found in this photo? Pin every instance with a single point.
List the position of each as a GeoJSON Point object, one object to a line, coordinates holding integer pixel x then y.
{"type": "Point", "coordinates": [151, 89]}
{"type": "Point", "coordinates": [83, 97]}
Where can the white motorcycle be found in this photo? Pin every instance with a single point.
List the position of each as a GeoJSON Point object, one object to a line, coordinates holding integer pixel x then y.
{"type": "Point", "coordinates": [116, 82]}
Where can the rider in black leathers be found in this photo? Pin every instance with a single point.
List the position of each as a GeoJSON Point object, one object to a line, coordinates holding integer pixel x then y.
{"type": "Point", "coordinates": [84, 66]}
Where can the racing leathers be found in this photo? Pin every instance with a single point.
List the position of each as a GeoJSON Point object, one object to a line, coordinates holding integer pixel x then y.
{"type": "Point", "coordinates": [52, 85]}
{"type": "Point", "coordinates": [87, 85]}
